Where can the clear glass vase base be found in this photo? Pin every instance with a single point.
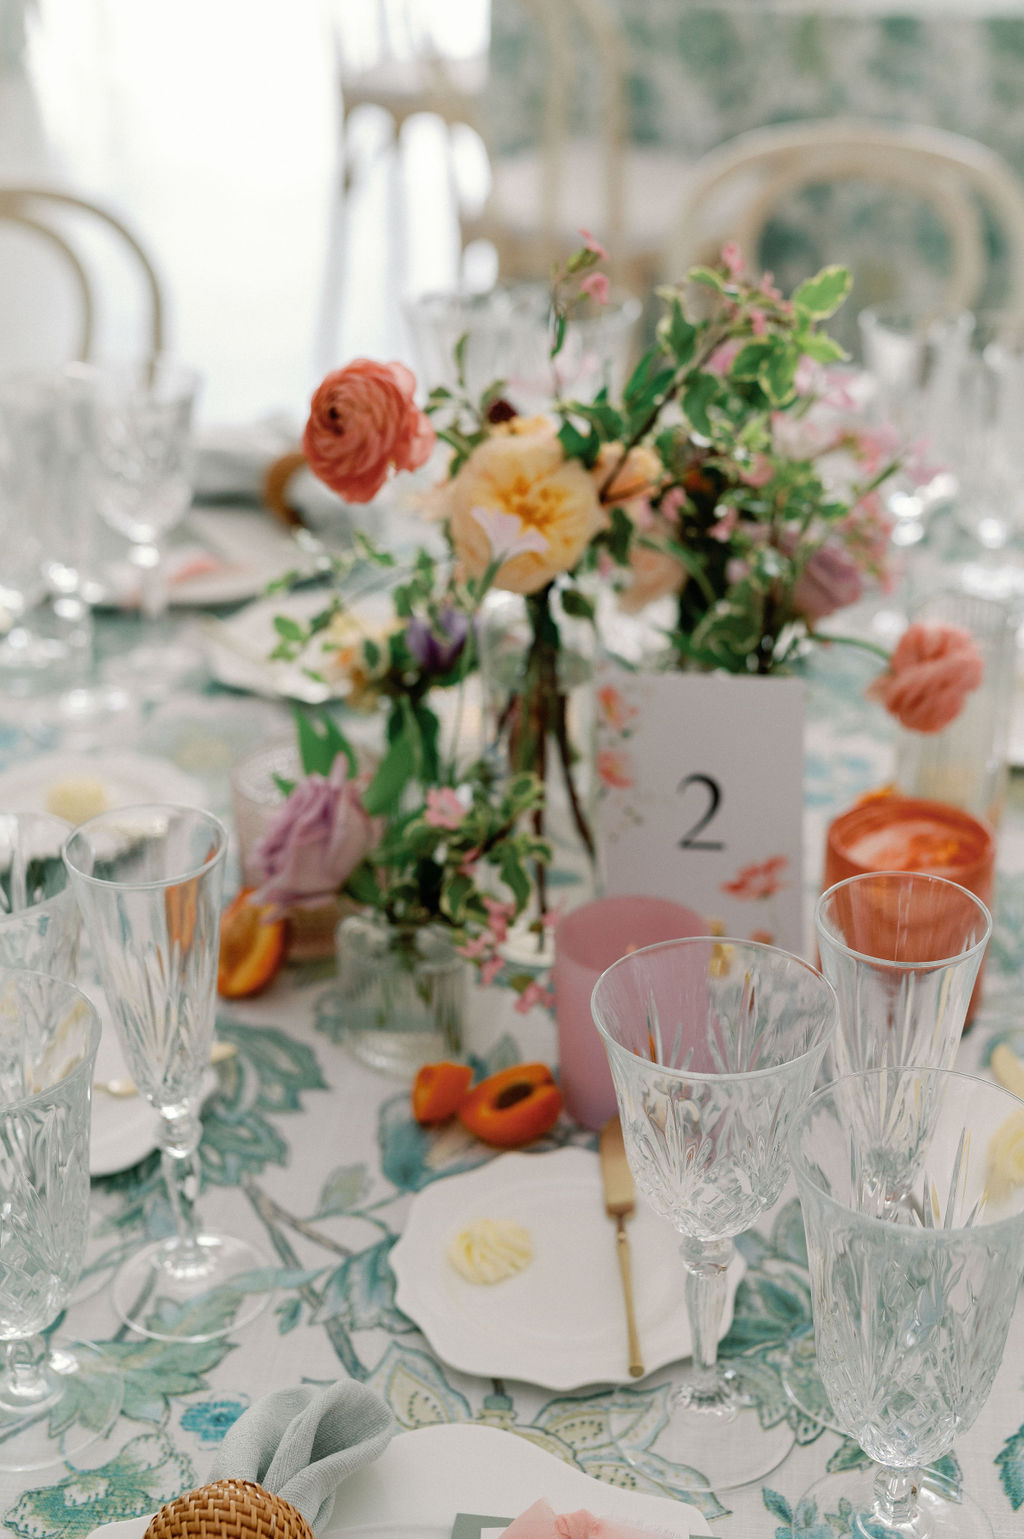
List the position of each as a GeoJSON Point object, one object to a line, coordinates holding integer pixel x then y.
{"type": "Point", "coordinates": [398, 1053]}
{"type": "Point", "coordinates": [694, 1450]}
{"type": "Point", "coordinates": [86, 1393]}
{"type": "Point", "coordinates": [160, 1299]}
{"type": "Point", "coordinates": [844, 1505]}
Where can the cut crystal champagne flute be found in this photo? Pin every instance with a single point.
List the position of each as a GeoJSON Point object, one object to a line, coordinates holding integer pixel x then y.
{"type": "Point", "coordinates": [912, 1305]}
{"type": "Point", "coordinates": [55, 1396]}
{"type": "Point", "coordinates": [902, 950]}
{"type": "Point", "coordinates": [713, 1045]}
{"type": "Point", "coordinates": [149, 881]}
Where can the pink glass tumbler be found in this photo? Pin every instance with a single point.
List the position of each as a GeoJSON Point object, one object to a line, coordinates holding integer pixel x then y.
{"type": "Point", "coordinates": [588, 940]}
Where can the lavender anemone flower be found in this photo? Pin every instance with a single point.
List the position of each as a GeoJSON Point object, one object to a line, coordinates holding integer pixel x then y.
{"type": "Point", "coordinates": [436, 647]}
{"type": "Point", "coordinates": [316, 840]}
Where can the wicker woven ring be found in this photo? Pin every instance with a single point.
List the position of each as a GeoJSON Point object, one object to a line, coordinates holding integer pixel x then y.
{"type": "Point", "coordinates": [229, 1509]}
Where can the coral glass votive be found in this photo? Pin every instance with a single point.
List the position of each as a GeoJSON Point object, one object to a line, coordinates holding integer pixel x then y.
{"type": "Point", "coordinates": [902, 833]}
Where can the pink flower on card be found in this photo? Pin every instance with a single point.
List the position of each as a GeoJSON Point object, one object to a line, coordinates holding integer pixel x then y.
{"type": "Point", "coordinates": [614, 709]}
{"type": "Point", "coordinates": [444, 810]}
{"type": "Point", "coordinates": [613, 769]}
{"type": "Point", "coordinates": [761, 880]}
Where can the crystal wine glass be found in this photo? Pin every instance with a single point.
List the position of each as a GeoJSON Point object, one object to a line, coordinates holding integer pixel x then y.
{"type": "Point", "coordinates": [55, 1397]}
{"type": "Point", "coordinates": [713, 1045]}
{"type": "Point", "coordinates": [149, 881]}
{"type": "Point", "coordinates": [144, 460]}
{"type": "Point", "coordinates": [911, 1306]}
{"type": "Point", "coordinates": [39, 919]}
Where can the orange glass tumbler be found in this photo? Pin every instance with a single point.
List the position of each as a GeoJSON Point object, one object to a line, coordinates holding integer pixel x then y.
{"type": "Point", "coordinates": [902, 833]}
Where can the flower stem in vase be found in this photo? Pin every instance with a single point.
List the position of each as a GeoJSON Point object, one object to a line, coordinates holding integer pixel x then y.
{"type": "Point", "coordinates": [541, 724]}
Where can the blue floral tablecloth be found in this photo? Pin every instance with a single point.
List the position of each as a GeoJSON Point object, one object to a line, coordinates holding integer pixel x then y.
{"type": "Point", "coordinates": [316, 1159]}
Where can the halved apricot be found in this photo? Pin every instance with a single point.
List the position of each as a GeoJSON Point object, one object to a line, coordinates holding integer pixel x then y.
{"type": "Point", "coordinates": [512, 1107]}
{"type": "Point", "coordinates": [252, 947]}
{"type": "Point", "coordinates": [438, 1091]}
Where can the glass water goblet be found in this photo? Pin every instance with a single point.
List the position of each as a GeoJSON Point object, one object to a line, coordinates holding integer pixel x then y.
{"type": "Point", "coordinates": [912, 1306]}
{"type": "Point", "coordinates": [149, 881]}
{"type": "Point", "coordinates": [55, 1397]}
{"type": "Point", "coordinates": [144, 460]}
{"type": "Point", "coordinates": [915, 363]}
{"type": "Point", "coordinates": [39, 919]}
{"type": "Point", "coordinates": [713, 1045]}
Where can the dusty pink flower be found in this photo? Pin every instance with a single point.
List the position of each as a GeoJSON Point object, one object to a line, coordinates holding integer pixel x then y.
{"type": "Point", "coordinates": [317, 839]}
{"type": "Point", "coordinates": [759, 473]}
{"type": "Point", "coordinates": [930, 674]}
{"type": "Point", "coordinates": [593, 245]}
{"type": "Point", "coordinates": [829, 581]}
{"type": "Point", "coordinates": [363, 422]}
{"type": "Point", "coordinates": [596, 285]}
{"type": "Point", "coordinates": [490, 969]}
{"type": "Point", "coordinates": [758, 881]}
{"type": "Point", "coordinates": [722, 528]}
{"type": "Point", "coordinates": [444, 810]}
{"type": "Point", "coordinates": [498, 916]}
{"type": "Point", "coordinates": [732, 259]}
{"type": "Point", "coordinates": [534, 994]}
{"type": "Point", "coordinates": [758, 322]}
{"type": "Point", "coordinates": [721, 359]}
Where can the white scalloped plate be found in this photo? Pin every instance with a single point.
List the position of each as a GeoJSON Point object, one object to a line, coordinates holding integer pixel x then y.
{"type": "Point", "coordinates": [560, 1323]}
{"type": "Point", "coordinates": [425, 1477]}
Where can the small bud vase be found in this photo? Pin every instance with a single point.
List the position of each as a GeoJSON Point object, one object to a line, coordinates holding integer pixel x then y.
{"type": "Point", "coordinates": [402, 993]}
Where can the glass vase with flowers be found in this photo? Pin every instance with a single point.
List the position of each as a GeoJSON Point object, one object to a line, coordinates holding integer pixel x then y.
{"type": "Point", "coordinates": [729, 495]}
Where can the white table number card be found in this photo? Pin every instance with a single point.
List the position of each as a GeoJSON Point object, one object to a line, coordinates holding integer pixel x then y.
{"type": "Point", "coordinates": [701, 785]}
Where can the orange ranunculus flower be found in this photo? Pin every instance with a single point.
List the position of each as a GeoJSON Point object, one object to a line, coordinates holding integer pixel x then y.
{"type": "Point", "coordinates": [522, 476]}
{"type": "Point", "coordinates": [362, 422]}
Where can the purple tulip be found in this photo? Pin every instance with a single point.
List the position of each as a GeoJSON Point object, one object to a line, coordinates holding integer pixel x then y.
{"type": "Point", "coordinates": [436, 647]}
{"type": "Point", "coordinates": [316, 840]}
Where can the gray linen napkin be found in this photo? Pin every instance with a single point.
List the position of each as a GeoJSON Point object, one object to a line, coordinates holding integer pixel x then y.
{"type": "Point", "coordinates": [301, 1443]}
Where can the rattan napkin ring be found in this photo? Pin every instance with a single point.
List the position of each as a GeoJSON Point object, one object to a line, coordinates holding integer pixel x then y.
{"type": "Point", "coordinates": [229, 1509]}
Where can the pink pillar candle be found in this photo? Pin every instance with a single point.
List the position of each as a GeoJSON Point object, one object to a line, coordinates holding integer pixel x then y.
{"type": "Point", "coordinates": [588, 940]}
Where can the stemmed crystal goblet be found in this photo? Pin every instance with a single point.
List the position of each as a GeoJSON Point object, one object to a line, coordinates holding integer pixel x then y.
{"type": "Point", "coordinates": [713, 1045]}
{"type": "Point", "coordinates": [912, 1305]}
{"type": "Point", "coordinates": [902, 950]}
{"type": "Point", "coordinates": [55, 1397]}
{"type": "Point", "coordinates": [149, 881]}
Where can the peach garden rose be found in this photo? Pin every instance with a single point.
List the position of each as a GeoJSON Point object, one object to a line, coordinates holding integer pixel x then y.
{"type": "Point", "coordinates": [522, 475]}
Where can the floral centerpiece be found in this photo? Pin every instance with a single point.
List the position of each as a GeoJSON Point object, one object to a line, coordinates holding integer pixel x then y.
{"type": "Point", "coordinates": [732, 484]}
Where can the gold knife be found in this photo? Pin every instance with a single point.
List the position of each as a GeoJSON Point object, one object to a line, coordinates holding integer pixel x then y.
{"type": "Point", "coordinates": [619, 1203]}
